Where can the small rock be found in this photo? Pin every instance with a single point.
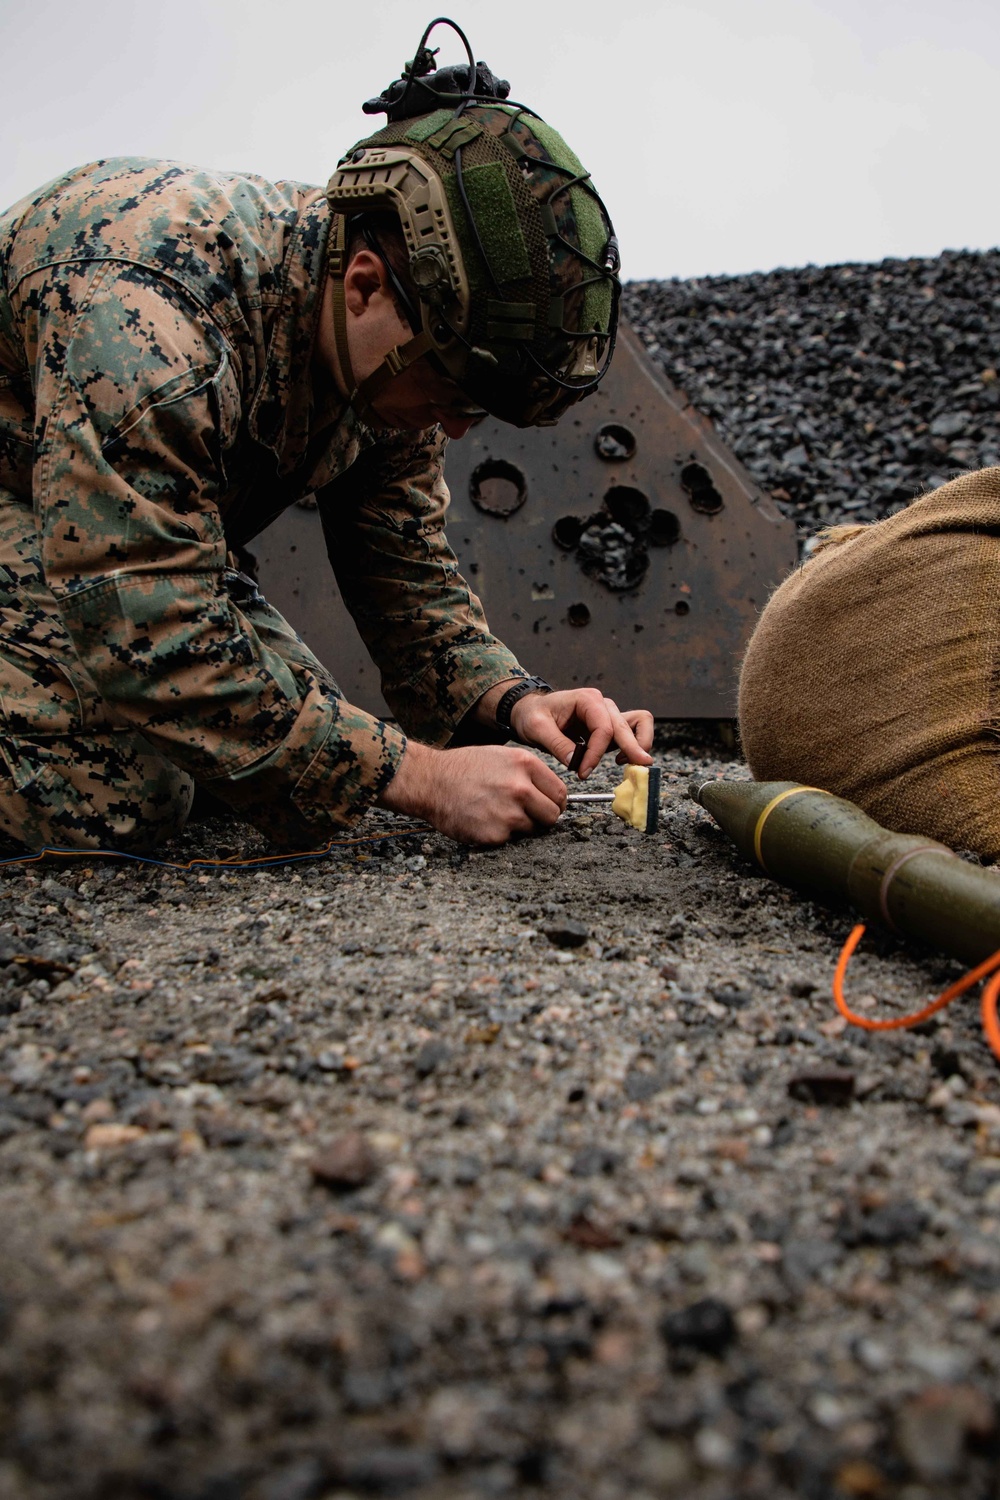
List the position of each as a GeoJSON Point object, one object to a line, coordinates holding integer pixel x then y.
{"type": "Point", "coordinates": [707, 1326]}
{"type": "Point", "coordinates": [932, 1428]}
{"type": "Point", "coordinates": [593, 1161]}
{"type": "Point", "coordinates": [715, 1449]}
{"type": "Point", "coordinates": [97, 1112]}
{"type": "Point", "coordinates": [857, 1477]}
{"type": "Point", "coordinates": [826, 1086]}
{"type": "Point", "coordinates": [874, 1356]}
{"type": "Point", "coordinates": [950, 423]}
{"type": "Point", "coordinates": [731, 997]}
{"type": "Point", "coordinates": [889, 1224]}
{"type": "Point", "coordinates": [388, 1470]}
{"type": "Point", "coordinates": [347, 1162]}
{"type": "Point", "coordinates": [804, 1259]}
{"type": "Point", "coordinates": [640, 1086]}
{"type": "Point", "coordinates": [567, 933]}
{"type": "Point", "coordinates": [946, 1062]}
{"type": "Point", "coordinates": [591, 1235]}
{"type": "Point", "coordinates": [664, 1465]}
{"type": "Point", "coordinates": [111, 1137]}
{"type": "Point", "coordinates": [826, 1410]}
{"type": "Point", "coordinates": [466, 1171]}
{"type": "Point", "coordinates": [940, 1362]}
{"type": "Point", "coordinates": [431, 1057]}
{"type": "Point", "coordinates": [483, 1036]}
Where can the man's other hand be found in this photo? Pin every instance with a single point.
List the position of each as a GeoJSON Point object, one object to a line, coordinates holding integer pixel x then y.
{"type": "Point", "coordinates": [557, 722]}
{"type": "Point", "coordinates": [480, 794]}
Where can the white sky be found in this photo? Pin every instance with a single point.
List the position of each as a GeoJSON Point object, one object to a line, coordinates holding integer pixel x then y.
{"type": "Point", "coordinates": [725, 135]}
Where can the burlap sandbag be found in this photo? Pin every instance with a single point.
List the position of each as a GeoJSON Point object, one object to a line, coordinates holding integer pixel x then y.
{"type": "Point", "coordinates": [873, 671]}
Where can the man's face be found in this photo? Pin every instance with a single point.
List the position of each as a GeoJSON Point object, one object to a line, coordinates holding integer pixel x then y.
{"type": "Point", "coordinates": [420, 397]}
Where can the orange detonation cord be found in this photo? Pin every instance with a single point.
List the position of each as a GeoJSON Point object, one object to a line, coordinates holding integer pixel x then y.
{"type": "Point", "coordinates": [990, 996]}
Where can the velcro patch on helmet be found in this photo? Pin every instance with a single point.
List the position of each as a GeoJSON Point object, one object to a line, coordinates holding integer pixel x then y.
{"type": "Point", "coordinates": [456, 133]}
{"type": "Point", "coordinates": [510, 322]}
{"type": "Point", "coordinates": [427, 124]}
{"type": "Point", "coordinates": [492, 204]}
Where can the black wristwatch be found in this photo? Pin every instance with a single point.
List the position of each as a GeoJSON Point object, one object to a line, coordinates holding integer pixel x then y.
{"type": "Point", "coordinates": [518, 690]}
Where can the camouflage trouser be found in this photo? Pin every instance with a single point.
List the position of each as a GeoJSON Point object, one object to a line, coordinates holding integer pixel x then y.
{"type": "Point", "coordinates": [69, 776]}
{"type": "Point", "coordinates": [90, 791]}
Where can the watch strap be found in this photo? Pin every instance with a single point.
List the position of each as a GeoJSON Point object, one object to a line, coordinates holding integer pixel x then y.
{"type": "Point", "coordinates": [514, 693]}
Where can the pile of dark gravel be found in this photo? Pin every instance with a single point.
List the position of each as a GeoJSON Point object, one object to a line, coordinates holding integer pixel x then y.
{"type": "Point", "coordinates": [846, 390]}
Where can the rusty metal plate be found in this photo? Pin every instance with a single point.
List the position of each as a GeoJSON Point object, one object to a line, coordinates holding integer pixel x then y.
{"type": "Point", "coordinates": [626, 549]}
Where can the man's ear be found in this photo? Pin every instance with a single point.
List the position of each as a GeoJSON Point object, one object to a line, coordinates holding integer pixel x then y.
{"type": "Point", "coordinates": [364, 277]}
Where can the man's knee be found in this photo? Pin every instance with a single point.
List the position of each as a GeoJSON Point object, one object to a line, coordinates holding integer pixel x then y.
{"type": "Point", "coordinates": [108, 791]}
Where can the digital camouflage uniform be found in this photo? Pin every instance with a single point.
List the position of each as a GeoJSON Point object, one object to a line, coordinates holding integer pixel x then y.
{"type": "Point", "coordinates": [158, 407]}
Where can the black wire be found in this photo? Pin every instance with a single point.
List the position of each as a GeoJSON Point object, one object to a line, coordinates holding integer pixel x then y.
{"type": "Point", "coordinates": [411, 76]}
{"type": "Point", "coordinates": [462, 102]}
{"type": "Point", "coordinates": [371, 240]}
{"type": "Point", "coordinates": [592, 384]}
{"type": "Point", "coordinates": [253, 863]}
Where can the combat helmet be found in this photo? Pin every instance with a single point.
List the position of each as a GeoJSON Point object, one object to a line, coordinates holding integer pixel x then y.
{"type": "Point", "coordinates": [512, 255]}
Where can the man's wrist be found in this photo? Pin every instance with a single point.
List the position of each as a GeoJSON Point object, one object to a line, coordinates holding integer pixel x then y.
{"type": "Point", "coordinates": [407, 791]}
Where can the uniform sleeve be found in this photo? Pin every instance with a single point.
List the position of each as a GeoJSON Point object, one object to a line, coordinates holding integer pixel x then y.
{"type": "Point", "coordinates": [398, 576]}
{"type": "Point", "coordinates": [142, 401]}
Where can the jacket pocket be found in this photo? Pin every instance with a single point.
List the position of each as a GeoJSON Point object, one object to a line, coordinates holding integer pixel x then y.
{"type": "Point", "coordinates": [163, 423]}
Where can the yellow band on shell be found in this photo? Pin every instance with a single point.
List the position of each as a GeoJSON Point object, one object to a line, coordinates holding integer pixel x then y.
{"type": "Point", "coordinates": [792, 791]}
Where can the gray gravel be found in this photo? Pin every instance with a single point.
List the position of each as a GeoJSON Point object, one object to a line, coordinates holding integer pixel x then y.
{"type": "Point", "coordinates": [846, 390]}
{"type": "Point", "coordinates": [375, 1177]}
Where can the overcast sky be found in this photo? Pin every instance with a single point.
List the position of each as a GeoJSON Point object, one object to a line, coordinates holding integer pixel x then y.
{"type": "Point", "coordinates": [725, 135]}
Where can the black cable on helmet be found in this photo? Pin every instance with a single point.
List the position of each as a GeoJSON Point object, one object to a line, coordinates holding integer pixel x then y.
{"type": "Point", "coordinates": [605, 273]}
{"type": "Point", "coordinates": [438, 21]}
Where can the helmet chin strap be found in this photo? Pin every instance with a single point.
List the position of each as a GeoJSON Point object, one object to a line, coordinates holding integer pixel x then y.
{"type": "Point", "coordinates": [365, 392]}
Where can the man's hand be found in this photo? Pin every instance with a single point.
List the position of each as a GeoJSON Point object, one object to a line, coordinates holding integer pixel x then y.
{"type": "Point", "coordinates": [480, 794]}
{"type": "Point", "coordinates": [557, 722]}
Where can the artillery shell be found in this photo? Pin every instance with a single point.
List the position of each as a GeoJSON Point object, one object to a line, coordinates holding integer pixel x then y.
{"type": "Point", "coordinates": [825, 845]}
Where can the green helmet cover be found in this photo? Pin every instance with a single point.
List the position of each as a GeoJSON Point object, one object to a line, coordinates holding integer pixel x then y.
{"type": "Point", "coordinates": [512, 253]}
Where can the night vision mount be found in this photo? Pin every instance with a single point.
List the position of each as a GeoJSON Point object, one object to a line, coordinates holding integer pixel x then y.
{"type": "Point", "coordinates": [424, 87]}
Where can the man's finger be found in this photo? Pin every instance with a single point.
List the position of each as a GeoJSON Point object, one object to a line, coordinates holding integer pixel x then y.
{"type": "Point", "coordinates": [635, 738]}
{"type": "Point", "coordinates": [546, 735]}
{"type": "Point", "coordinates": [541, 808]}
{"type": "Point", "coordinates": [599, 718]}
{"type": "Point", "coordinates": [643, 725]}
{"type": "Point", "coordinates": [626, 741]}
{"type": "Point", "coordinates": [549, 785]}
{"type": "Point", "coordinates": [541, 729]}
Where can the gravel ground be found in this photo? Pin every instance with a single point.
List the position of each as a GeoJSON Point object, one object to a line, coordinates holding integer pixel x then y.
{"type": "Point", "coordinates": [846, 390]}
{"type": "Point", "coordinates": [541, 1171]}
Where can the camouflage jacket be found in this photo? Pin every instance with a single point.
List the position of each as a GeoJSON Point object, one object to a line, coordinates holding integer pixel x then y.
{"type": "Point", "coordinates": [158, 407]}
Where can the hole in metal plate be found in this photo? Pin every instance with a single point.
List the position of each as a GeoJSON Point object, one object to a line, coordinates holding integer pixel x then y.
{"type": "Point", "coordinates": [698, 485]}
{"type": "Point", "coordinates": [497, 487]}
{"type": "Point", "coordinates": [567, 532]}
{"type": "Point", "coordinates": [664, 529]}
{"type": "Point", "coordinates": [615, 443]}
{"type": "Point", "coordinates": [628, 506]}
